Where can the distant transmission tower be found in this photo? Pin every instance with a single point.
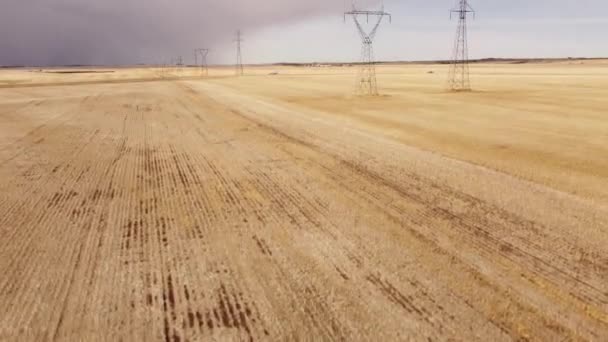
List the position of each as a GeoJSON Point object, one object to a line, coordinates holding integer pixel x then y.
{"type": "Point", "coordinates": [203, 53]}
{"type": "Point", "coordinates": [180, 63]}
{"type": "Point", "coordinates": [239, 57]}
{"type": "Point", "coordinates": [459, 68]}
{"type": "Point", "coordinates": [366, 80]}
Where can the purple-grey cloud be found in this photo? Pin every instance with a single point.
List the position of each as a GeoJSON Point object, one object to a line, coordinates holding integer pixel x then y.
{"type": "Point", "coordinates": [60, 32]}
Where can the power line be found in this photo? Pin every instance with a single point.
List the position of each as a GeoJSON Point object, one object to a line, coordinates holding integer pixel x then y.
{"type": "Point", "coordinates": [366, 80]}
{"type": "Point", "coordinates": [459, 79]}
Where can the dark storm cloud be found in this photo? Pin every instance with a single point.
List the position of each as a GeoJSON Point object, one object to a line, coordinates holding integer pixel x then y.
{"type": "Point", "coordinates": [60, 32]}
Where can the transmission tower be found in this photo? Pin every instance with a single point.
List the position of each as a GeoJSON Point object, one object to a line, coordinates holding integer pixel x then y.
{"type": "Point", "coordinates": [459, 69]}
{"type": "Point", "coordinates": [239, 57]}
{"type": "Point", "coordinates": [203, 53]}
{"type": "Point", "coordinates": [179, 64]}
{"type": "Point", "coordinates": [366, 79]}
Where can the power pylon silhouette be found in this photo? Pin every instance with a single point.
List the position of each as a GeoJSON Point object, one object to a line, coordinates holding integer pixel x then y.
{"type": "Point", "coordinates": [239, 57]}
{"type": "Point", "coordinates": [204, 67]}
{"type": "Point", "coordinates": [459, 79]}
{"type": "Point", "coordinates": [366, 79]}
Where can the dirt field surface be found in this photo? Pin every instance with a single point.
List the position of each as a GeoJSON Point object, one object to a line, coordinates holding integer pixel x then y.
{"type": "Point", "coordinates": [280, 207]}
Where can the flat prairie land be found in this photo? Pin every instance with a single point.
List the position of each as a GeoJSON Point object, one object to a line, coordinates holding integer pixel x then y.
{"type": "Point", "coordinates": [278, 206]}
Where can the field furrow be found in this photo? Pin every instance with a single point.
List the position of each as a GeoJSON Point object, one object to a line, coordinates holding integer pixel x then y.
{"type": "Point", "coordinates": [204, 210]}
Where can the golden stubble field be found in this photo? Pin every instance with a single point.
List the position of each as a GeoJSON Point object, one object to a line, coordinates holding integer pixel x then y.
{"type": "Point", "coordinates": [278, 206]}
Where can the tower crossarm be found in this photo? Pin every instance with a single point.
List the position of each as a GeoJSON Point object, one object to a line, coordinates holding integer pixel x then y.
{"type": "Point", "coordinates": [367, 13]}
{"type": "Point", "coordinates": [378, 14]}
{"type": "Point", "coordinates": [463, 8]}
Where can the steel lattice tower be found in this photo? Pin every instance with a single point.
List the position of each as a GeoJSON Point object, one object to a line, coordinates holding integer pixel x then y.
{"type": "Point", "coordinates": [239, 57]}
{"type": "Point", "coordinates": [366, 80]}
{"type": "Point", "coordinates": [204, 67]}
{"type": "Point", "coordinates": [459, 69]}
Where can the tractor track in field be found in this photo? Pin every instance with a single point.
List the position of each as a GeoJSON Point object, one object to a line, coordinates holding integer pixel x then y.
{"type": "Point", "coordinates": [184, 211]}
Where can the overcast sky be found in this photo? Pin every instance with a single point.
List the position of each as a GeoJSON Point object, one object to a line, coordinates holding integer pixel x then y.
{"type": "Point", "coordinates": [61, 32]}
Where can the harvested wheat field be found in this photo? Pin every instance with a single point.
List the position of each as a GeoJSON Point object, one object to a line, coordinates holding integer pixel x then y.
{"type": "Point", "coordinates": [279, 207]}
